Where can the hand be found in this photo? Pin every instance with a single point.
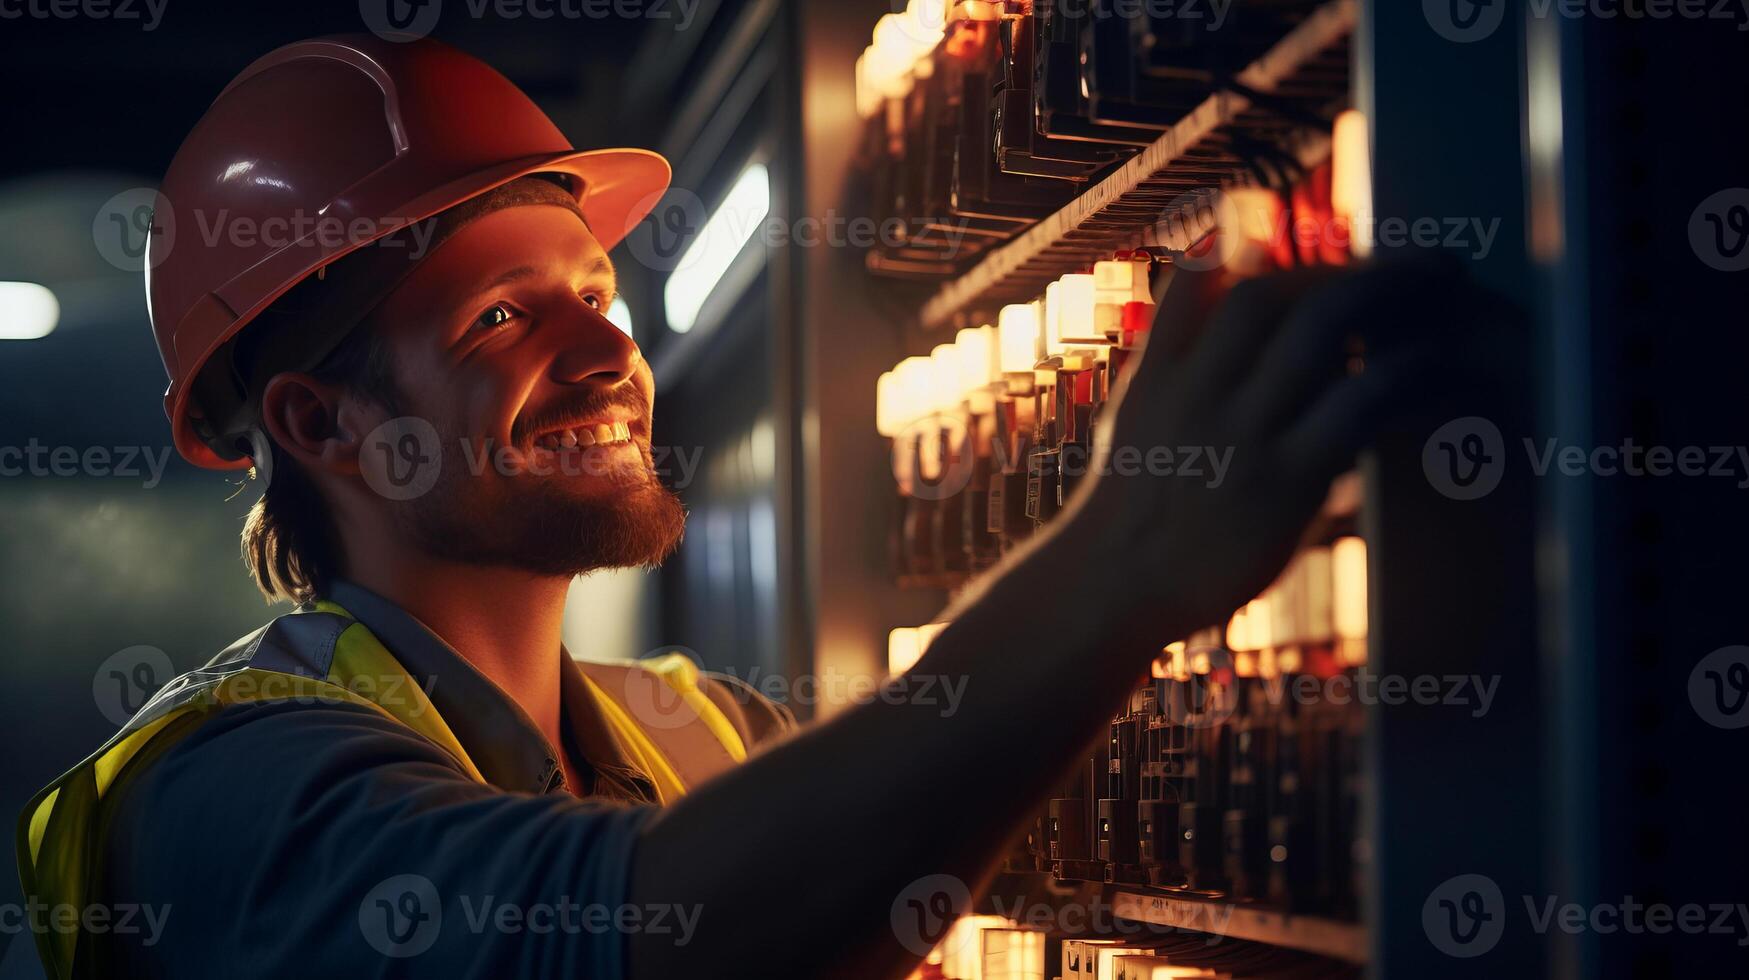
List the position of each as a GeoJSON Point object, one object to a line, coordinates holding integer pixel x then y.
{"type": "Point", "coordinates": [1267, 377]}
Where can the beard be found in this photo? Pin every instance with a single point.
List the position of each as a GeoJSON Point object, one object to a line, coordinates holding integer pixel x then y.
{"type": "Point", "coordinates": [545, 526]}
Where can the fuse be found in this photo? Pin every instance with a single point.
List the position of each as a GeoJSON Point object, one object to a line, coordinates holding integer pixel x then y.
{"type": "Point", "coordinates": [1115, 285]}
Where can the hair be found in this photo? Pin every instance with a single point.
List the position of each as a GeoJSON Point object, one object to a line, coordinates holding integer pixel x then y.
{"type": "Point", "coordinates": [290, 542]}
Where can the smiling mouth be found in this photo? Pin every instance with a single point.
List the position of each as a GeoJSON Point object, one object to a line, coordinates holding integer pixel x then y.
{"type": "Point", "coordinates": [585, 435]}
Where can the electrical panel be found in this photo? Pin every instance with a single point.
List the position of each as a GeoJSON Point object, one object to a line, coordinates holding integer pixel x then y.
{"type": "Point", "coordinates": [1052, 165]}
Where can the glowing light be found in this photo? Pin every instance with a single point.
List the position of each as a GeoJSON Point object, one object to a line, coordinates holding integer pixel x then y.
{"type": "Point", "coordinates": [1349, 592]}
{"type": "Point", "coordinates": [1351, 179]}
{"type": "Point", "coordinates": [28, 311]}
{"type": "Point", "coordinates": [1017, 327]}
{"type": "Point", "coordinates": [1069, 318]}
{"type": "Point", "coordinates": [887, 420]}
{"type": "Point", "coordinates": [620, 315]}
{"type": "Point", "coordinates": [708, 258]}
{"type": "Point", "coordinates": [946, 392]}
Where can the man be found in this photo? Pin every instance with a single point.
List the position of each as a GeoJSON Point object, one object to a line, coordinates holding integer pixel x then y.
{"type": "Point", "coordinates": [409, 776]}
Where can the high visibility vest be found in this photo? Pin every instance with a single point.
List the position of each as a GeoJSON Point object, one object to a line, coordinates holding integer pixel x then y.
{"type": "Point", "coordinates": [323, 655]}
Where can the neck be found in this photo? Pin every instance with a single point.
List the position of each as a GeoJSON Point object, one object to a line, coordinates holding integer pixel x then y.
{"type": "Point", "coordinates": [504, 622]}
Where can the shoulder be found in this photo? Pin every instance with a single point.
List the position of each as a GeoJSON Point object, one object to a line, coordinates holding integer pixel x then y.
{"type": "Point", "coordinates": [756, 718]}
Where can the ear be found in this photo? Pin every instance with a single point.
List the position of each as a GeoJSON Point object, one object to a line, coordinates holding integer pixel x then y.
{"type": "Point", "coordinates": [313, 422]}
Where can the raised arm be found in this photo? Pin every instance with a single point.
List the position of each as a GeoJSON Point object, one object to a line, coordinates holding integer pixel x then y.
{"type": "Point", "coordinates": [796, 859]}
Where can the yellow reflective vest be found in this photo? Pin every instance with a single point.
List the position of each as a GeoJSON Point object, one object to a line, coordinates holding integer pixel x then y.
{"type": "Point", "coordinates": [692, 728]}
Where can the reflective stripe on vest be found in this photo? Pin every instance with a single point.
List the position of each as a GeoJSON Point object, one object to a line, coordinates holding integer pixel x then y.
{"type": "Point", "coordinates": [320, 655]}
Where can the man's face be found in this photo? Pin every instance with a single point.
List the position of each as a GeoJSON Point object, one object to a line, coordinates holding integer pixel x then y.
{"type": "Point", "coordinates": [500, 340]}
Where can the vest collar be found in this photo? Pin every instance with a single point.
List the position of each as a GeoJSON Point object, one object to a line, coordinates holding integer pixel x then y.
{"type": "Point", "coordinates": [504, 743]}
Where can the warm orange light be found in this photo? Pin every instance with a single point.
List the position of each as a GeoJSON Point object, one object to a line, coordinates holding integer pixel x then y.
{"type": "Point", "coordinates": [1351, 179]}
{"type": "Point", "coordinates": [1012, 954]}
{"type": "Point", "coordinates": [948, 391]}
{"type": "Point", "coordinates": [913, 385]}
{"type": "Point", "coordinates": [1115, 284]}
{"type": "Point", "coordinates": [1252, 225]}
{"type": "Point", "coordinates": [1348, 562]}
{"type": "Point", "coordinates": [963, 947]}
{"type": "Point", "coordinates": [903, 649]}
{"type": "Point", "coordinates": [887, 419]}
{"type": "Point", "coordinates": [1315, 616]}
{"type": "Point", "coordinates": [1018, 329]}
{"type": "Point", "coordinates": [1069, 304]}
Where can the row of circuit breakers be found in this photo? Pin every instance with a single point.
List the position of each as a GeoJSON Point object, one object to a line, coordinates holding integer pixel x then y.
{"type": "Point", "coordinates": [1231, 776]}
{"type": "Point", "coordinates": [987, 116]}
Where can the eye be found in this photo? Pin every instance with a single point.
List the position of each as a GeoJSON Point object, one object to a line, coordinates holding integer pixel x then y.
{"type": "Point", "coordinates": [595, 301]}
{"type": "Point", "coordinates": [496, 315]}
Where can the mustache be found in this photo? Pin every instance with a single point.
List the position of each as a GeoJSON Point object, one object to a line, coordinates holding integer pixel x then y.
{"type": "Point", "coordinates": [582, 408]}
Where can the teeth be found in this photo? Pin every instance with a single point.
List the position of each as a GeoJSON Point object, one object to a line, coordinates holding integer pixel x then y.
{"type": "Point", "coordinates": [584, 436]}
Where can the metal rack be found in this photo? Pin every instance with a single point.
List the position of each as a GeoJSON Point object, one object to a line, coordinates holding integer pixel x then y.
{"type": "Point", "coordinates": [1143, 202]}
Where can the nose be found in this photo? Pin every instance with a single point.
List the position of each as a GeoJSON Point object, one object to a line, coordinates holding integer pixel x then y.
{"type": "Point", "coordinates": [593, 350]}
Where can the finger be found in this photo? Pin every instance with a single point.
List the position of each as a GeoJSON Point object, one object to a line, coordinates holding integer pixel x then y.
{"type": "Point", "coordinates": [1351, 415]}
{"type": "Point", "coordinates": [1242, 326]}
{"type": "Point", "coordinates": [1324, 332]}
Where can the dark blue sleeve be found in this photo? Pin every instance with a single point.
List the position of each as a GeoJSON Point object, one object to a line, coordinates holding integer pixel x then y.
{"type": "Point", "coordinates": [314, 840]}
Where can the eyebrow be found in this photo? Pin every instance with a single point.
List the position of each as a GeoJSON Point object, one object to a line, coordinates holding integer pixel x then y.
{"type": "Point", "coordinates": [599, 266]}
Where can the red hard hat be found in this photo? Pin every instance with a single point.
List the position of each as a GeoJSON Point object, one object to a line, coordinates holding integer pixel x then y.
{"type": "Point", "coordinates": [348, 132]}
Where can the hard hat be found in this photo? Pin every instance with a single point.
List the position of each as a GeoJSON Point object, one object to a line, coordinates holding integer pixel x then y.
{"type": "Point", "coordinates": [351, 134]}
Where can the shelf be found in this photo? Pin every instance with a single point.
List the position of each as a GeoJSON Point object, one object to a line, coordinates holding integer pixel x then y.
{"type": "Point", "coordinates": [1324, 937]}
{"type": "Point", "coordinates": [1139, 203]}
